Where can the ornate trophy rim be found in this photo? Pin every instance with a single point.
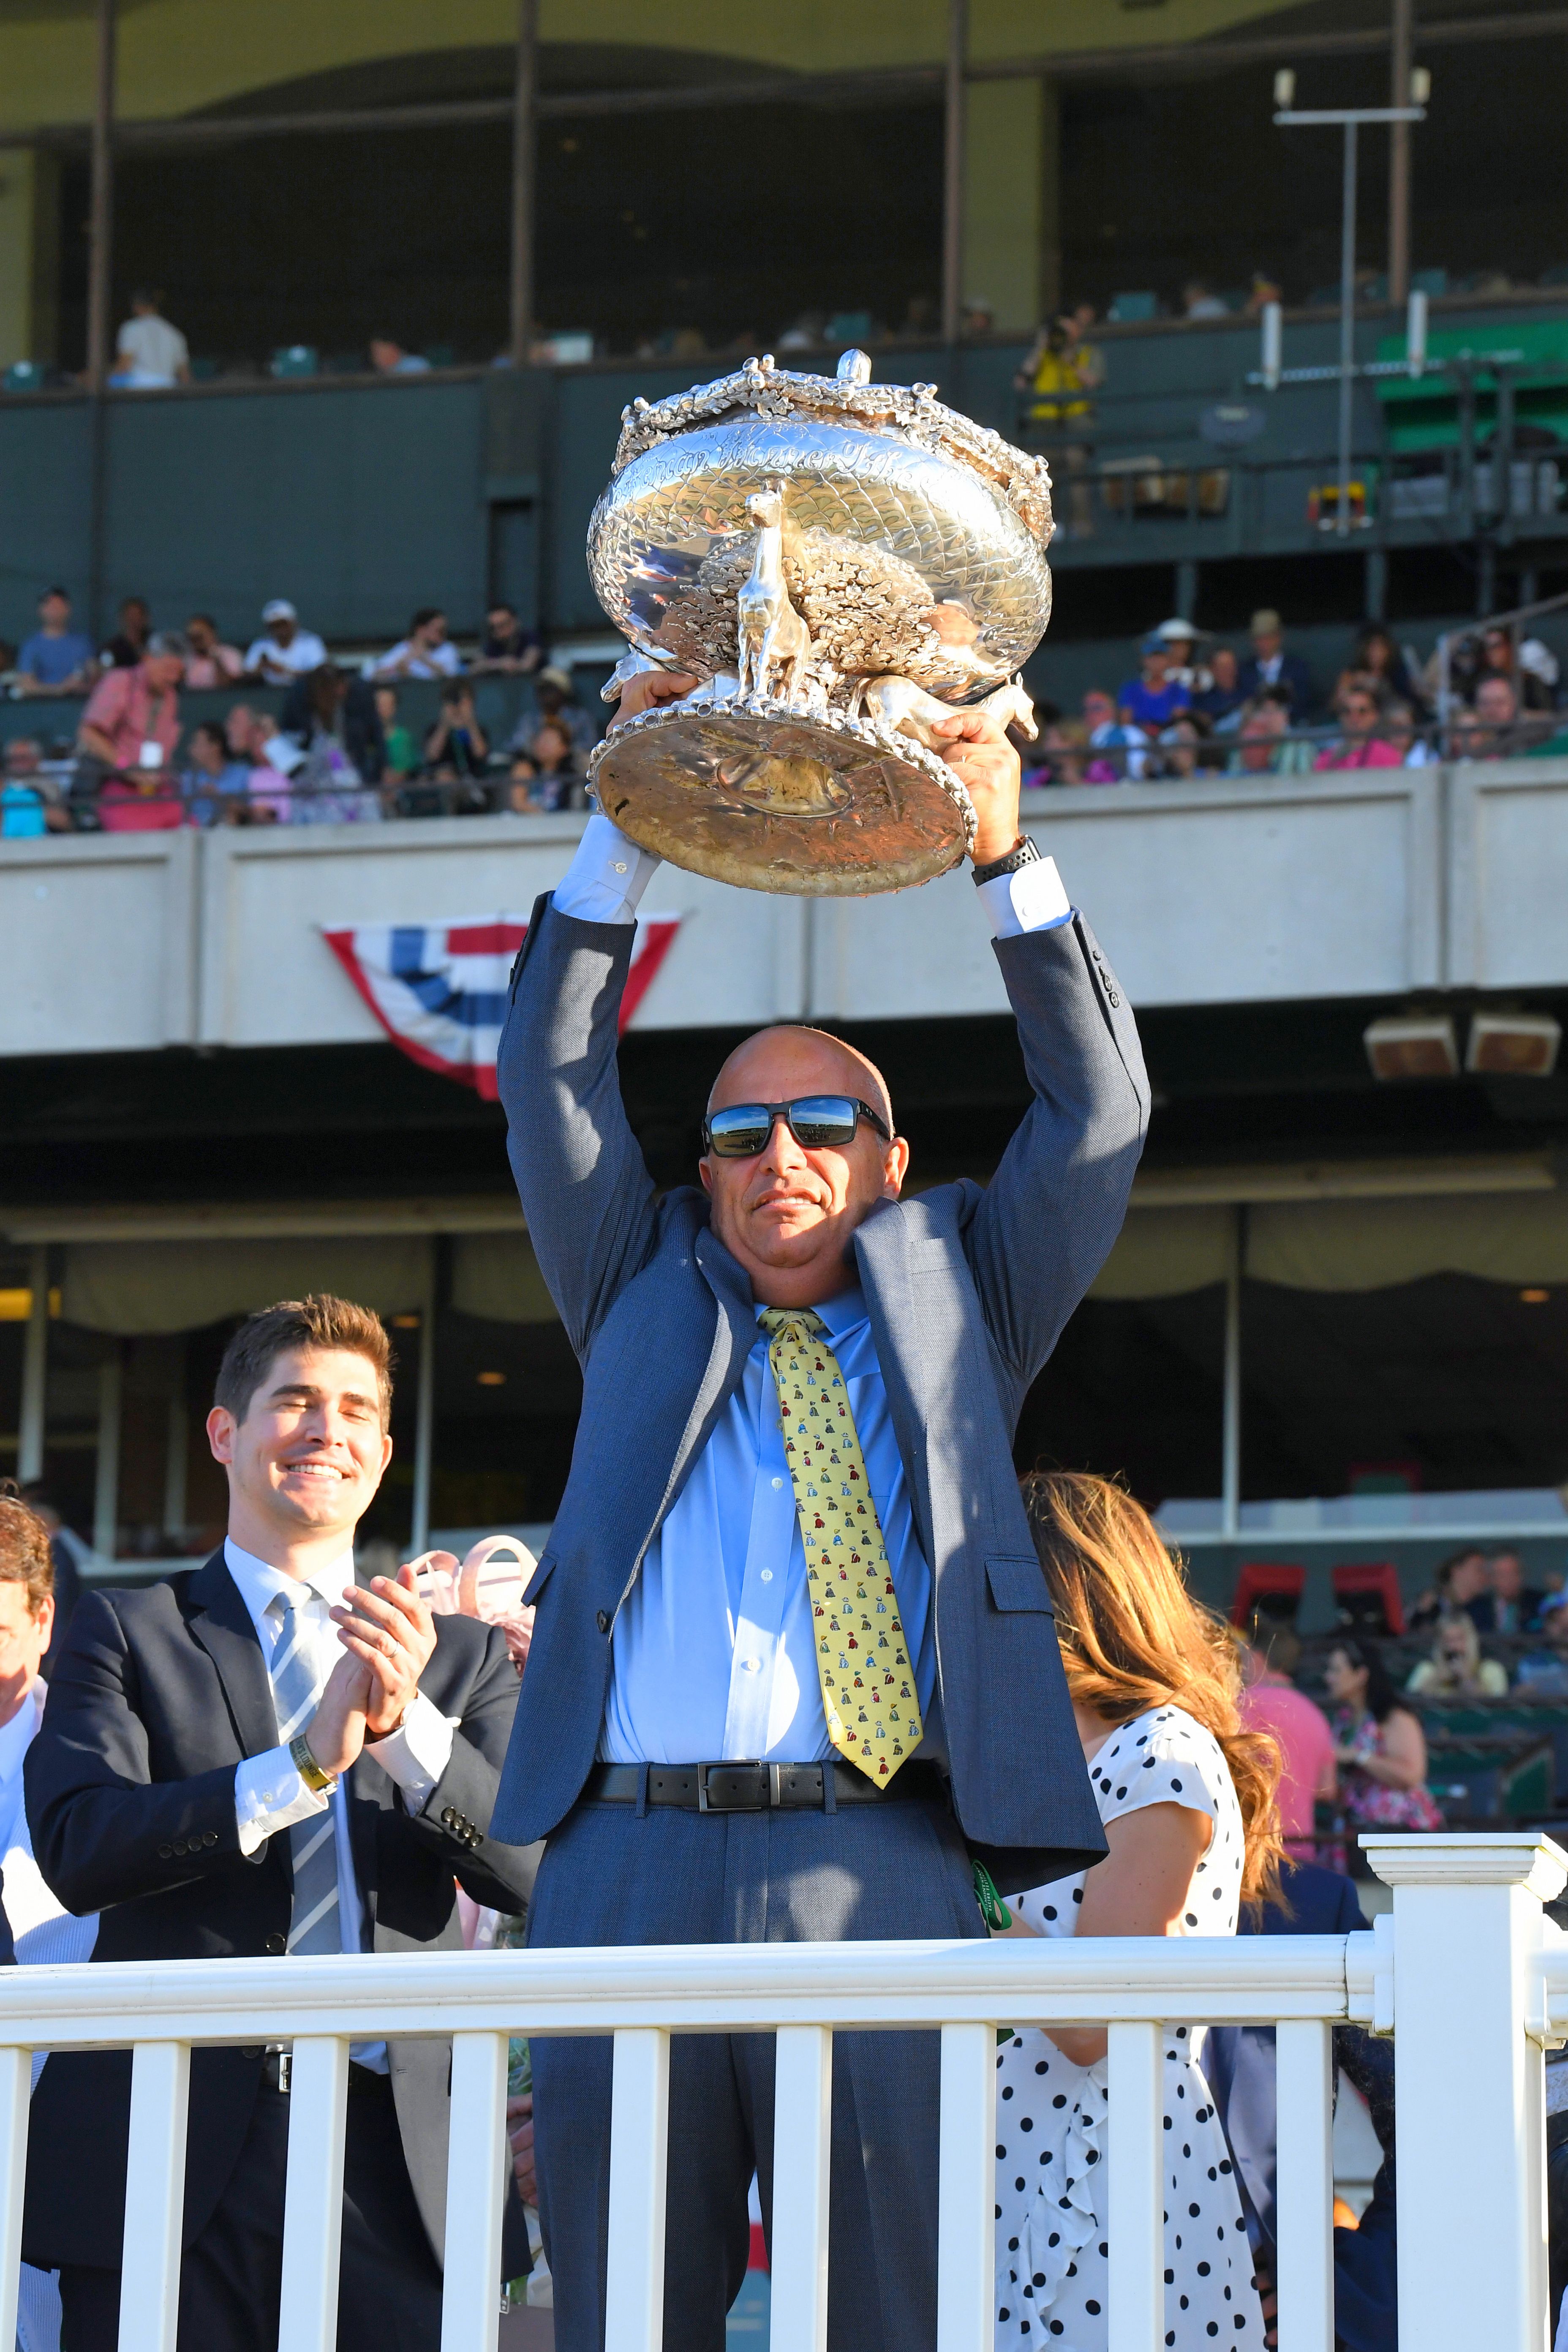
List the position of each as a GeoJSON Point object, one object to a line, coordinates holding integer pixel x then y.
{"type": "Point", "coordinates": [676, 730]}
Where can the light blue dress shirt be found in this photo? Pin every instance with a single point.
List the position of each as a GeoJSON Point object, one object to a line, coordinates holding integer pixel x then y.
{"type": "Point", "coordinates": [713, 1653]}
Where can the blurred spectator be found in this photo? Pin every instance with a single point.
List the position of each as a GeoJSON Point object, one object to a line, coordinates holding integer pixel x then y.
{"type": "Point", "coordinates": [1265, 290]}
{"type": "Point", "coordinates": [286, 651]}
{"type": "Point", "coordinates": [1456, 1668]}
{"type": "Point", "coordinates": [1060, 756]}
{"type": "Point", "coordinates": [1399, 728]}
{"type": "Point", "coordinates": [56, 658]}
{"type": "Point", "coordinates": [507, 645]}
{"type": "Point", "coordinates": [1119, 753]}
{"type": "Point", "coordinates": [804, 333]}
{"type": "Point", "coordinates": [520, 778]}
{"type": "Point", "coordinates": [333, 721]}
{"type": "Point", "coordinates": [151, 353]}
{"type": "Point", "coordinates": [424, 652]}
{"type": "Point", "coordinates": [1180, 746]}
{"type": "Point", "coordinates": [68, 1555]}
{"type": "Point", "coordinates": [270, 758]}
{"type": "Point", "coordinates": [1271, 1702]}
{"type": "Point", "coordinates": [1270, 664]}
{"type": "Point", "coordinates": [1379, 1745]}
{"type": "Point", "coordinates": [402, 755]}
{"type": "Point", "coordinates": [555, 697]}
{"type": "Point", "coordinates": [127, 736]}
{"type": "Point", "coordinates": [1491, 731]}
{"type": "Point", "coordinates": [1462, 1581]}
{"type": "Point", "coordinates": [209, 663]}
{"type": "Point", "coordinates": [1377, 656]}
{"type": "Point", "coordinates": [559, 781]}
{"type": "Point", "coordinates": [979, 317]}
{"type": "Point", "coordinates": [28, 804]}
{"type": "Point", "coordinates": [1498, 659]}
{"type": "Point", "coordinates": [1198, 302]}
{"type": "Point", "coordinates": [1515, 1604]}
{"type": "Point", "coordinates": [387, 357]}
{"type": "Point", "coordinates": [128, 644]}
{"type": "Point", "coordinates": [457, 742]}
{"type": "Point", "coordinates": [1180, 639]}
{"type": "Point", "coordinates": [1154, 698]}
{"type": "Point", "coordinates": [1543, 1672]}
{"type": "Point", "coordinates": [211, 775]}
{"type": "Point", "coordinates": [1056, 376]}
{"type": "Point", "coordinates": [1222, 698]}
{"type": "Point", "coordinates": [1360, 746]}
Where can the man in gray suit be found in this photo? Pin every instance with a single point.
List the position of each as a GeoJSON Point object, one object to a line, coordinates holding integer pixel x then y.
{"type": "Point", "coordinates": [793, 1664]}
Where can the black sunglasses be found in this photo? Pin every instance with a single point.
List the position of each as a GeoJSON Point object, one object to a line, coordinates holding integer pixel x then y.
{"type": "Point", "coordinates": [818, 1122]}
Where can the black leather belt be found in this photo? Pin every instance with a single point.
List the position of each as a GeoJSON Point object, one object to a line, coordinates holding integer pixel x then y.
{"type": "Point", "coordinates": [746, 1788]}
{"type": "Point", "coordinates": [277, 2067]}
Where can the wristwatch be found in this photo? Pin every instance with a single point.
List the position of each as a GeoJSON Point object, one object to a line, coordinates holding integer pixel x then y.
{"type": "Point", "coordinates": [309, 1771]}
{"type": "Point", "coordinates": [1022, 853]}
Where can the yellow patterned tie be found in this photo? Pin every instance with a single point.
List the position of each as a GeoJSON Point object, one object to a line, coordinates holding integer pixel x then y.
{"type": "Point", "coordinates": [862, 1659]}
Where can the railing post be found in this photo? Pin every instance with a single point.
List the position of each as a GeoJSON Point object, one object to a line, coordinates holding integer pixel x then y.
{"type": "Point", "coordinates": [1305, 2186]}
{"type": "Point", "coordinates": [1135, 2212]}
{"type": "Point", "coordinates": [15, 2090]}
{"type": "Point", "coordinates": [313, 2193]}
{"type": "Point", "coordinates": [154, 2197]}
{"type": "Point", "coordinates": [639, 2153]}
{"type": "Point", "coordinates": [966, 2190]}
{"type": "Point", "coordinates": [475, 2192]}
{"type": "Point", "coordinates": [802, 2140]}
{"type": "Point", "coordinates": [1469, 2085]}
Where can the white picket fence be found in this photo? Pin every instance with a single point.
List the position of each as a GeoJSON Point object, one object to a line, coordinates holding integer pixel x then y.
{"type": "Point", "coordinates": [1469, 1975]}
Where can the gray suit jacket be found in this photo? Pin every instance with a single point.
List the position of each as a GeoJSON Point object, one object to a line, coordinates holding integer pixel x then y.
{"type": "Point", "coordinates": [967, 1286]}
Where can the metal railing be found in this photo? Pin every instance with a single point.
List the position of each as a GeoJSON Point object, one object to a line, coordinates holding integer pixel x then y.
{"type": "Point", "coordinates": [1469, 1975]}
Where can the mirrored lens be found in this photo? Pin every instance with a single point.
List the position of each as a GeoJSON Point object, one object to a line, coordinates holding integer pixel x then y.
{"type": "Point", "coordinates": [822, 1122]}
{"type": "Point", "coordinates": [739, 1131]}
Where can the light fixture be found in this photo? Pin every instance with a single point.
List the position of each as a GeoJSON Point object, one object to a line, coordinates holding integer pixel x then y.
{"type": "Point", "coordinates": [1412, 1045]}
{"type": "Point", "coordinates": [490, 1379]}
{"type": "Point", "coordinates": [1420, 85]}
{"type": "Point", "coordinates": [1533, 1297]}
{"type": "Point", "coordinates": [1513, 1044]}
{"type": "Point", "coordinates": [406, 1322]}
{"type": "Point", "coordinates": [1285, 89]}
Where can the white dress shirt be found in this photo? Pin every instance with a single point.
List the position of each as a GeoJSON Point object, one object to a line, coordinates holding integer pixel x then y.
{"type": "Point", "coordinates": [712, 1654]}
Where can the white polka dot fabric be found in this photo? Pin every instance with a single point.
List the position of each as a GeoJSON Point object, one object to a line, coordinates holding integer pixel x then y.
{"type": "Point", "coordinates": [1052, 2258]}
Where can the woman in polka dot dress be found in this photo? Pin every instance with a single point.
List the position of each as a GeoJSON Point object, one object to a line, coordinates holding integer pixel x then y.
{"type": "Point", "coordinates": [1186, 1796]}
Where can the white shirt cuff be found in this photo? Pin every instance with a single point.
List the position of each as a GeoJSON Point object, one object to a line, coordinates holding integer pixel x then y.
{"type": "Point", "coordinates": [417, 1753]}
{"type": "Point", "coordinates": [1032, 899]}
{"type": "Point", "coordinates": [607, 877]}
{"type": "Point", "coordinates": [269, 1796]}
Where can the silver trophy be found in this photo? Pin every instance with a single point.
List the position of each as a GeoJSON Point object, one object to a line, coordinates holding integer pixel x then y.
{"type": "Point", "coordinates": [841, 563]}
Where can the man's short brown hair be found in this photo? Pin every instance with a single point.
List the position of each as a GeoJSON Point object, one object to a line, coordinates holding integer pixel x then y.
{"type": "Point", "coordinates": [24, 1556]}
{"type": "Point", "coordinates": [319, 1320]}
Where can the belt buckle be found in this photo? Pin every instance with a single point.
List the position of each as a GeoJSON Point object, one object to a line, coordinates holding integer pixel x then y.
{"type": "Point", "coordinates": [742, 1764]}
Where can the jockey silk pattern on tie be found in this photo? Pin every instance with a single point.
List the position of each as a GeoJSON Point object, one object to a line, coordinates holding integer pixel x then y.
{"type": "Point", "coordinates": [862, 1659]}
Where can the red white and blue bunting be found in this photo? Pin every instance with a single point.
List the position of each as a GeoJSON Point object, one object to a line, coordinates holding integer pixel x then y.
{"type": "Point", "coordinates": [440, 990]}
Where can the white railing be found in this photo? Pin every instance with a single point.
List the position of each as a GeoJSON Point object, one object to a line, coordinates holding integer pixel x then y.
{"type": "Point", "coordinates": [1469, 1975]}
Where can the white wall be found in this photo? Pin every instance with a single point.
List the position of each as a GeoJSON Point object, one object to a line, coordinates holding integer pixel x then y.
{"type": "Point", "coordinates": [1206, 894]}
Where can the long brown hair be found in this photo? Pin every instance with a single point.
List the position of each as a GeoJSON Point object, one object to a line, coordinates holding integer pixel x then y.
{"type": "Point", "coordinates": [1133, 1638]}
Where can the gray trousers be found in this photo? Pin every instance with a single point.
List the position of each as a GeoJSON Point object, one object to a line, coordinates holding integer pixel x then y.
{"type": "Point", "coordinates": [674, 1878]}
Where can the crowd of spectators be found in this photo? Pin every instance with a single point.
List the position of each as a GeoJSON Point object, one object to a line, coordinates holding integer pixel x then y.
{"type": "Point", "coordinates": [1198, 707]}
{"type": "Point", "coordinates": [339, 751]}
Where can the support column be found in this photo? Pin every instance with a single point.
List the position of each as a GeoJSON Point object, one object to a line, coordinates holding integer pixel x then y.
{"type": "Point", "coordinates": [1401, 47]}
{"type": "Point", "coordinates": [954, 123]}
{"type": "Point", "coordinates": [1230, 1442]}
{"type": "Point", "coordinates": [1467, 1933]}
{"type": "Point", "coordinates": [25, 184]}
{"type": "Point", "coordinates": [100, 211]}
{"type": "Point", "coordinates": [522, 181]}
{"type": "Point", "coordinates": [177, 1457]}
{"type": "Point", "coordinates": [35, 1369]}
{"type": "Point", "coordinates": [106, 1486]}
{"type": "Point", "coordinates": [1002, 261]}
{"type": "Point", "coordinates": [424, 1410]}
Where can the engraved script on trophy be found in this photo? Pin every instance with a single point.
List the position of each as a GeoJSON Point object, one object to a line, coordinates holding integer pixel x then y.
{"type": "Point", "coordinates": [841, 565]}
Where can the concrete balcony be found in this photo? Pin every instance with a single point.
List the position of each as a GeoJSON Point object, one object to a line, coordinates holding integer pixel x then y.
{"type": "Point", "coordinates": [1228, 892]}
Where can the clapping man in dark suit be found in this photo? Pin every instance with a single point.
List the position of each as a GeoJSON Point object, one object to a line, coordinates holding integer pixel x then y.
{"type": "Point", "coordinates": [793, 1661]}
{"type": "Point", "coordinates": [258, 1757]}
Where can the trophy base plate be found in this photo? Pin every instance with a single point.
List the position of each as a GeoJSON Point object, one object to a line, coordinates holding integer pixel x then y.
{"type": "Point", "coordinates": [812, 805]}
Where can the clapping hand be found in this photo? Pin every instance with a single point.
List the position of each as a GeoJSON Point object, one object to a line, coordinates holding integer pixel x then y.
{"type": "Point", "coordinates": [389, 1629]}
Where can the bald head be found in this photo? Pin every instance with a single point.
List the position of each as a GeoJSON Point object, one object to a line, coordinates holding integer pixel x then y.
{"type": "Point", "coordinates": [773, 1064]}
{"type": "Point", "coordinates": [787, 1214]}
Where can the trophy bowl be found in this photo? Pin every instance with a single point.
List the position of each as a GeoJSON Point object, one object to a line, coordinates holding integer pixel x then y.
{"type": "Point", "coordinates": [840, 565]}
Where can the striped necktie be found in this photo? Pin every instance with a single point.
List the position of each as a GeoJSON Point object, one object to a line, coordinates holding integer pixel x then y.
{"type": "Point", "coordinates": [296, 1685]}
{"type": "Point", "coordinates": [862, 1659]}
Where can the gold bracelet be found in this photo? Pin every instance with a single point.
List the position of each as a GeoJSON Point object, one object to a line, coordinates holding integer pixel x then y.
{"type": "Point", "coordinates": [309, 1771]}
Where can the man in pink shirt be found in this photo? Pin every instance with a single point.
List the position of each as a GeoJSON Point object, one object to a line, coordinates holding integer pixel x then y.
{"type": "Point", "coordinates": [1361, 745]}
{"type": "Point", "coordinates": [1271, 1702]}
{"type": "Point", "coordinates": [127, 737]}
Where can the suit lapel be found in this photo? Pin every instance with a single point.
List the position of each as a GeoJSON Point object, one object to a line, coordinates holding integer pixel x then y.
{"type": "Point", "coordinates": [220, 1623]}
{"type": "Point", "coordinates": [881, 1251]}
